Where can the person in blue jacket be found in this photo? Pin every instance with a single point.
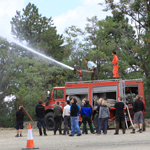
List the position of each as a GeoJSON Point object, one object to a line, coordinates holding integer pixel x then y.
{"type": "Point", "coordinates": [86, 114]}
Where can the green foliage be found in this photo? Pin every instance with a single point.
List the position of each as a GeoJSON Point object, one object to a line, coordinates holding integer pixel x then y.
{"type": "Point", "coordinates": [100, 38]}
{"type": "Point", "coordinates": [24, 73]}
{"type": "Point", "coordinates": [139, 13]}
{"type": "Point", "coordinates": [37, 31]}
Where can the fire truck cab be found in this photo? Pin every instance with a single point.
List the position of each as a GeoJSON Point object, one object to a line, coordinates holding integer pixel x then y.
{"type": "Point", "coordinates": [110, 90]}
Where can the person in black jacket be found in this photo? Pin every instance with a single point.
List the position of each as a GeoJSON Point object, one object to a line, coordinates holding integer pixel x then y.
{"type": "Point", "coordinates": [120, 115]}
{"type": "Point", "coordinates": [74, 118]}
{"type": "Point", "coordinates": [138, 107]}
{"type": "Point", "coordinates": [19, 121]}
{"type": "Point", "coordinates": [40, 114]}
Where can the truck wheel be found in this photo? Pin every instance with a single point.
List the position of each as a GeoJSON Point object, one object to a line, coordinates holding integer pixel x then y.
{"type": "Point", "coordinates": [95, 120]}
{"type": "Point", "coordinates": [78, 100]}
{"type": "Point", "coordinates": [49, 119]}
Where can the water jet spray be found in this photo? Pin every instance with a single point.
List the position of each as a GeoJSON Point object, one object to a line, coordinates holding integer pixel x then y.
{"type": "Point", "coordinates": [40, 54]}
{"type": "Point", "coordinates": [49, 58]}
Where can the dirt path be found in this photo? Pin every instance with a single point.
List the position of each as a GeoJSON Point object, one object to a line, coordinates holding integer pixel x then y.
{"type": "Point", "coordinates": [127, 141]}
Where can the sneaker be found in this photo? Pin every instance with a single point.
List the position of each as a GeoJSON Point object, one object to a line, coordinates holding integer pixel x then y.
{"type": "Point", "coordinates": [17, 135]}
{"type": "Point", "coordinates": [21, 135]}
{"type": "Point", "coordinates": [71, 135]}
{"type": "Point", "coordinates": [79, 134]}
{"type": "Point", "coordinates": [140, 131]}
{"type": "Point", "coordinates": [133, 131]}
{"type": "Point", "coordinates": [45, 134]}
{"type": "Point", "coordinates": [115, 133]}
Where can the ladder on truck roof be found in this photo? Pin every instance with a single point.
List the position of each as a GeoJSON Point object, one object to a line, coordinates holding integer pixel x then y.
{"type": "Point", "coordinates": [107, 80]}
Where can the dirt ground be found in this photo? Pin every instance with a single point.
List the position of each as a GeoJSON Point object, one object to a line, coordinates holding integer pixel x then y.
{"type": "Point", "coordinates": [127, 141]}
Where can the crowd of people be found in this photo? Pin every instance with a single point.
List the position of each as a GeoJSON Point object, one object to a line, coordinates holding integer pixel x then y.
{"type": "Point", "coordinates": [71, 112]}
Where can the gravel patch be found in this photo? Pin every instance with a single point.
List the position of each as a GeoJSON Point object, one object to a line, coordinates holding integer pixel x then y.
{"type": "Point", "coordinates": [126, 141]}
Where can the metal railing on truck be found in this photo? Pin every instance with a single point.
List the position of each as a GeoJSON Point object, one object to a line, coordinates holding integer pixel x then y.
{"type": "Point", "coordinates": [97, 81]}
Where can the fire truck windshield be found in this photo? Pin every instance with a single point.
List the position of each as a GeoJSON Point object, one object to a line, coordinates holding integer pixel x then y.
{"type": "Point", "coordinates": [58, 93]}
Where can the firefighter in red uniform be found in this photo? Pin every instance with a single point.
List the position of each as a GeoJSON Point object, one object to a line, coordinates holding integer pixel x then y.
{"type": "Point", "coordinates": [115, 65]}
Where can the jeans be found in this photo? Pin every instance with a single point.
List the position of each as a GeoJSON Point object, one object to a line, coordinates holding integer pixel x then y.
{"type": "Point", "coordinates": [66, 123]}
{"type": "Point", "coordinates": [102, 127]}
{"type": "Point", "coordinates": [105, 120]}
{"type": "Point", "coordinates": [41, 122]}
{"type": "Point", "coordinates": [75, 125]}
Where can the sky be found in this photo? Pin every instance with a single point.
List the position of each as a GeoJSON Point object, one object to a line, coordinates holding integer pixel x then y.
{"type": "Point", "coordinates": [63, 12]}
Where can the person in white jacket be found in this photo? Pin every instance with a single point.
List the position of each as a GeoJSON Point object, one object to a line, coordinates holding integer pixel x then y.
{"type": "Point", "coordinates": [66, 116]}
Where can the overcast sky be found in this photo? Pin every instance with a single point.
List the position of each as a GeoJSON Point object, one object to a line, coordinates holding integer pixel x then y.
{"type": "Point", "coordinates": [63, 12]}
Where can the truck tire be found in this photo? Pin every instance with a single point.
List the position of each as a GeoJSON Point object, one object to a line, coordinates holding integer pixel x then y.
{"type": "Point", "coordinates": [95, 121]}
{"type": "Point", "coordinates": [49, 119]}
{"type": "Point", "coordinates": [78, 100]}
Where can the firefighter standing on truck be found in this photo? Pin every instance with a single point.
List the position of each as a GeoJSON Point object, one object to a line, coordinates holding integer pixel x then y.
{"type": "Point", "coordinates": [93, 66]}
{"type": "Point", "coordinates": [115, 65]}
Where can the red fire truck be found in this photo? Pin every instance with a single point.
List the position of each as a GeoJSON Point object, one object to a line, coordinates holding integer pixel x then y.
{"type": "Point", "coordinates": [110, 90]}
